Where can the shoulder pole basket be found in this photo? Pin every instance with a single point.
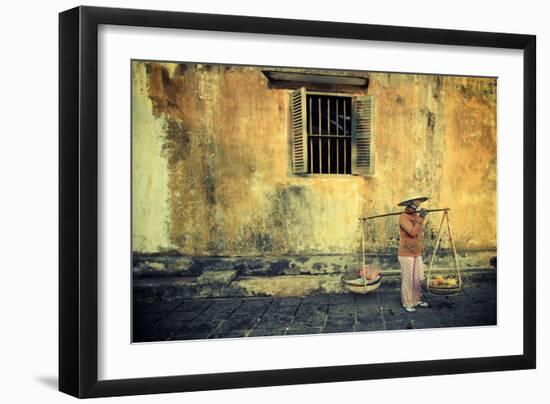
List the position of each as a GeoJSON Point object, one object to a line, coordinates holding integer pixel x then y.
{"type": "Point", "coordinates": [366, 287]}
{"type": "Point", "coordinates": [363, 286]}
{"type": "Point", "coordinates": [444, 290]}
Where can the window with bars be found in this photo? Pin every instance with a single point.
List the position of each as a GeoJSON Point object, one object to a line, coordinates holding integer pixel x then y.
{"type": "Point", "coordinates": [331, 134]}
{"type": "Point", "coordinates": [328, 134]}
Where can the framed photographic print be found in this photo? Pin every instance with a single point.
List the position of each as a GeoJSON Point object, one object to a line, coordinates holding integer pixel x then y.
{"type": "Point", "coordinates": [250, 201]}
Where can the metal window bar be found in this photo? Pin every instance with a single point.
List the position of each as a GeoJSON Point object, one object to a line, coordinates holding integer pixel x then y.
{"type": "Point", "coordinates": [319, 139]}
{"type": "Point", "coordinates": [328, 131]}
{"type": "Point", "coordinates": [329, 135]}
{"type": "Point", "coordinates": [337, 140]}
{"type": "Point", "coordinates": [310, 129]}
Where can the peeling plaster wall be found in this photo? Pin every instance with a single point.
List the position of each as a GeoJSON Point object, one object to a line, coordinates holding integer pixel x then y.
{"type": "Point", "coordinates": [212, 164]}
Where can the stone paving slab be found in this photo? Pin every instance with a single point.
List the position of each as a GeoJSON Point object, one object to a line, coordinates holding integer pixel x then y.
{"type": "Point", "coordinates": [279, 316]}
{"type": "Point", "coordinates": [189, 319]}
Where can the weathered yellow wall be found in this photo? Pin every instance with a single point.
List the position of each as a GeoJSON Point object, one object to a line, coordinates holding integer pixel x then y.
{"type": "Point", "coordinates": [212, 173]}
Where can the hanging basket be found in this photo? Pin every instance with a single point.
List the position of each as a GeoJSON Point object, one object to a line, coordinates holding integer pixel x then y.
{"type": "Point", "coordinates": [354, 284]}
{"type": "Point", "coordinates": [357, 282]}
{"type": "Point", "coordinates": [438, 285]}
{"type": "Point", "coordinates": [446, 289]}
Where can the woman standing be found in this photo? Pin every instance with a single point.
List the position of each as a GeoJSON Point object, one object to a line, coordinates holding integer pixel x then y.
{"type": "Point", "coordinates": [411, 247]}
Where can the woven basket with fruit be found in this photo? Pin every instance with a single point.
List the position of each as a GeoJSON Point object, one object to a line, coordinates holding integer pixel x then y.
{"type": "Point", "coordinates": [443, 285]}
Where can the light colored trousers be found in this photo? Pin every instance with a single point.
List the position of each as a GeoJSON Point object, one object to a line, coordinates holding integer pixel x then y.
{"type": "Point", "coordinates": [412, 273]}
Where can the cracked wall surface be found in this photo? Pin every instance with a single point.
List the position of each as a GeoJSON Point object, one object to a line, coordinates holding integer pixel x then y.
{"type": "Point", "coordinates": [212, 164]}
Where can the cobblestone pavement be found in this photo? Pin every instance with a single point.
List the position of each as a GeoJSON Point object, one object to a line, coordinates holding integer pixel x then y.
{"type": "Point", "coordinates": [273, 316]}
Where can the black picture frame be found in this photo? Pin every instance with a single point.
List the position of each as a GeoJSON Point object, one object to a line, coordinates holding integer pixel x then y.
{"type": "Point", "coordinates": [78, 200]}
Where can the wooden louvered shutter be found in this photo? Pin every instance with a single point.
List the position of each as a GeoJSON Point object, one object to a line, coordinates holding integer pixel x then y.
{"type": "Point", "coordinates": [299, 131]}
{"type": "Point", "coordinates": [362, 134]}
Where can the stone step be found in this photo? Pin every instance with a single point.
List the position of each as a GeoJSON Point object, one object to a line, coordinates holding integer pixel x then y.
{"type": "Point", "coordinates": [228, 283]}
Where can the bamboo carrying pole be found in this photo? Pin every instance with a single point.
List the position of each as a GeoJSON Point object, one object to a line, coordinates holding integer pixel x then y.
{"type": "Point", "coordinates": [398, 213]}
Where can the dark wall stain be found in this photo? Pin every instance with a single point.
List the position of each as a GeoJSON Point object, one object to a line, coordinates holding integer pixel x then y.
{"type": "Point", "coordinates": [216, 244]}
{"type": "Point", "coordinates": [285, 203]}
{"type": "Point", "coordinates": [289, 212]}
{"type": "Point", "coordinates": [263, 242]}
{"type": "Point", "coordinates": [370, 232]}
{"type": "Point", "coordinates": [209, 181]}
{"type": "Point", "coordinates": [431, 121]}
{"type": "Point", "coordinates": [484, 91]}
{"type": "Point", "coordinates": [181, 69]}
{"type": "Point", "coordinates": [465, 91]}
{"type": "Point", "coordinates": [279, 267]}
{"type": "Point", "coordinates": [163, 91]}
{"type": "Point", "coordinates": [177, 142]}
{"type": "Point", "coordinates": [319, 265]}
{"type": "Point", "coordinates": [437, 87]}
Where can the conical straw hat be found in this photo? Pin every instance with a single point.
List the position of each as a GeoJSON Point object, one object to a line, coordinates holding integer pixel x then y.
{"type": "Point", "coordinates": [411, 196]}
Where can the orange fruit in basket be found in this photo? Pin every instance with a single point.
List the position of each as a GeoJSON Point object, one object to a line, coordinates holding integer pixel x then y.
{"type": "Point", "coordinates": [369, 272]}
{"type": "Point", "coordinates": [373, 275]}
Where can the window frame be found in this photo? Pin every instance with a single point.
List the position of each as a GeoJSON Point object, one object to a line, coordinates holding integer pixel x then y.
{"type": "Point", "coordinates": [353, 96]}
